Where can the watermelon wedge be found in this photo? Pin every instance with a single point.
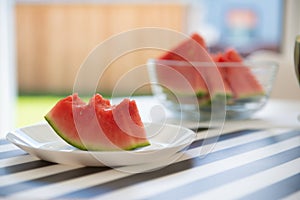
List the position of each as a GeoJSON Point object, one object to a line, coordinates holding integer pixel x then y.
{"type": "Point", "coordinates": [204, 79]}
{"type": "Point", "coordinates": [240, 78]}
{"type": "Point", "coordinates": [191, 50]}
{"type": "Point", "coordinates": [98, 125]}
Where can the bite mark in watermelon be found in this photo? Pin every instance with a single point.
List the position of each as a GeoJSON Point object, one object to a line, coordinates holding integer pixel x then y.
{"type": "Point", "coordinates": [98, 125]}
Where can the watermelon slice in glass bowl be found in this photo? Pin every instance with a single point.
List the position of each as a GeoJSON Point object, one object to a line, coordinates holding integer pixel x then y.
{"type": "Point", "coordinates": [196, 90]}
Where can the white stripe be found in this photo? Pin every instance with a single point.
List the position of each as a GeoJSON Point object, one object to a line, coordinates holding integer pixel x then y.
{"type": "Point", "coordinates": [17, 160]}
{"type": "Point", "coordinates": [71, 185]}
{"type": "Point", "coordinates": [239, 140]}
{"type": "Point", "coordinates": [7, 147]}
{"type": "Point", "coordinates": [152, 187]}
{"type": "Point", "coordinates": [247, 138]}
{"type": "Point", "coordinates": [34, 174]}
{"type": "Point", "coordinates": [294, 196]}
{"type": "Point", "coordinates": [94, 179]}
{"type": "Point", "coordinates": [248, 185]}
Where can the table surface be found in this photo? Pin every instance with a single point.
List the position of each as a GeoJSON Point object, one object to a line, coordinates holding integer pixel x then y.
{"type": "Point", "coordinates": [257, 158]}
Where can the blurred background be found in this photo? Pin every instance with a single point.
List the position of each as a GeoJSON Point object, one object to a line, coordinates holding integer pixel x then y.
{"type": "Point", "coordinates": [43, 43]}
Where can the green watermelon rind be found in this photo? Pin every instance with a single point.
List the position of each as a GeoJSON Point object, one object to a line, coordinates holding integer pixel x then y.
{"type": "Point", "coordinates": [250, 98]}
{"type": "Point", "coordinates": [198, 93]}
{"type": "Point", "coordinates": [56, 129]}
{"type": "Point", "coordinates": [87, 147]}
{"type": "Point", "coordinates": [217, 96]}
{"type": "Point", "coordinates": [201, 101]}
{"type": "Point", "coordinates": [221, 96]}
{"type": "Point", "coordinates": [250, 95]}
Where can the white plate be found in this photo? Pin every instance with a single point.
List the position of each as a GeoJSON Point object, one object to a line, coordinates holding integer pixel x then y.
{"type": "Point", "coordinates": [41, 141]}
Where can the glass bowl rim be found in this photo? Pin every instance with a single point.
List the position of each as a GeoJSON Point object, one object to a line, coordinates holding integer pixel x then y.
{"type": "Point", "coordinates": [245, 63]}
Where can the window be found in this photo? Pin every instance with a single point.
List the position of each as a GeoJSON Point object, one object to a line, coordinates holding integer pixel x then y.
{"type": "Point", "coordinates": [247, 25]}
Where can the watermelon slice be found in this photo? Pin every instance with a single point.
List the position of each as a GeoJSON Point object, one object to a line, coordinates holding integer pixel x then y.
{"type": "Point", "coordinates": [97, 125]}
{"type": "Point", "coordinates": [240, 78]}
{"type": "Point", "coordinates": [203, 79]}
{"type": "Point", "coordinates": [190, 50]}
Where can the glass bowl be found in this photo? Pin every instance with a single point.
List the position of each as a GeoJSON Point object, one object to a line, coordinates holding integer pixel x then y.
{"type": "Point", "coordinates": [196, 90]}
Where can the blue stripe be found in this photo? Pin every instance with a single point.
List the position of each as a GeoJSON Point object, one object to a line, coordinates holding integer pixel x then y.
{"type": "Point", "coordinates": [47, 180]}
{"type": "Point", "coordinates": [3, 141]}
{"type": "Point", "coordinates": [222, 137]}
{"type": "Point", "coordinates": [278, 190]}
{"type": "Point", "coordinates": [12, 153]}
{"type": "Point", "coordinates": [24, 166]}
{"type": "Point", "coordinates": [177, 167]}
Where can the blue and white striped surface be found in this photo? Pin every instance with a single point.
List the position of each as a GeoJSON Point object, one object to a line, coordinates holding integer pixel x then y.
{"type": "Point", "coordinates": [244, 164]}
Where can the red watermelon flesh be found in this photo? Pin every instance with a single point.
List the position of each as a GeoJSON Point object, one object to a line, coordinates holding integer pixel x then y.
{"type": "Point", "coordinates": [97, 125]}
{"type": "Point", "coordinates": [219, 58]}
{"type": "Point", "coordinates": [181, 80]}
{"type": "Point", "coordinates": [200, 40]}
{"type": "Point", "coordinates": [190, 50]}
{"type": "Point", "coordinates": [240, 78]}
{"type": "Point", "coordinates": [217, 86]}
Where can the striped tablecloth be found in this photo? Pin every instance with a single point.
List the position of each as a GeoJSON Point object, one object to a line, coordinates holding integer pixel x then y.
{"type": "Point", "coordinates": [244, 164]}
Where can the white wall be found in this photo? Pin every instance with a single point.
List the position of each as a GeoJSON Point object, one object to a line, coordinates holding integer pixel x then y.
{"type": "Point", "coordinates": [286, 85]}
{"type": "Point", "coordinates": [7, 67]}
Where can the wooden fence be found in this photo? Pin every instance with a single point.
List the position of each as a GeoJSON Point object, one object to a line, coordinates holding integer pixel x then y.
{"type": "Point", "coordinates": [54, 39]}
